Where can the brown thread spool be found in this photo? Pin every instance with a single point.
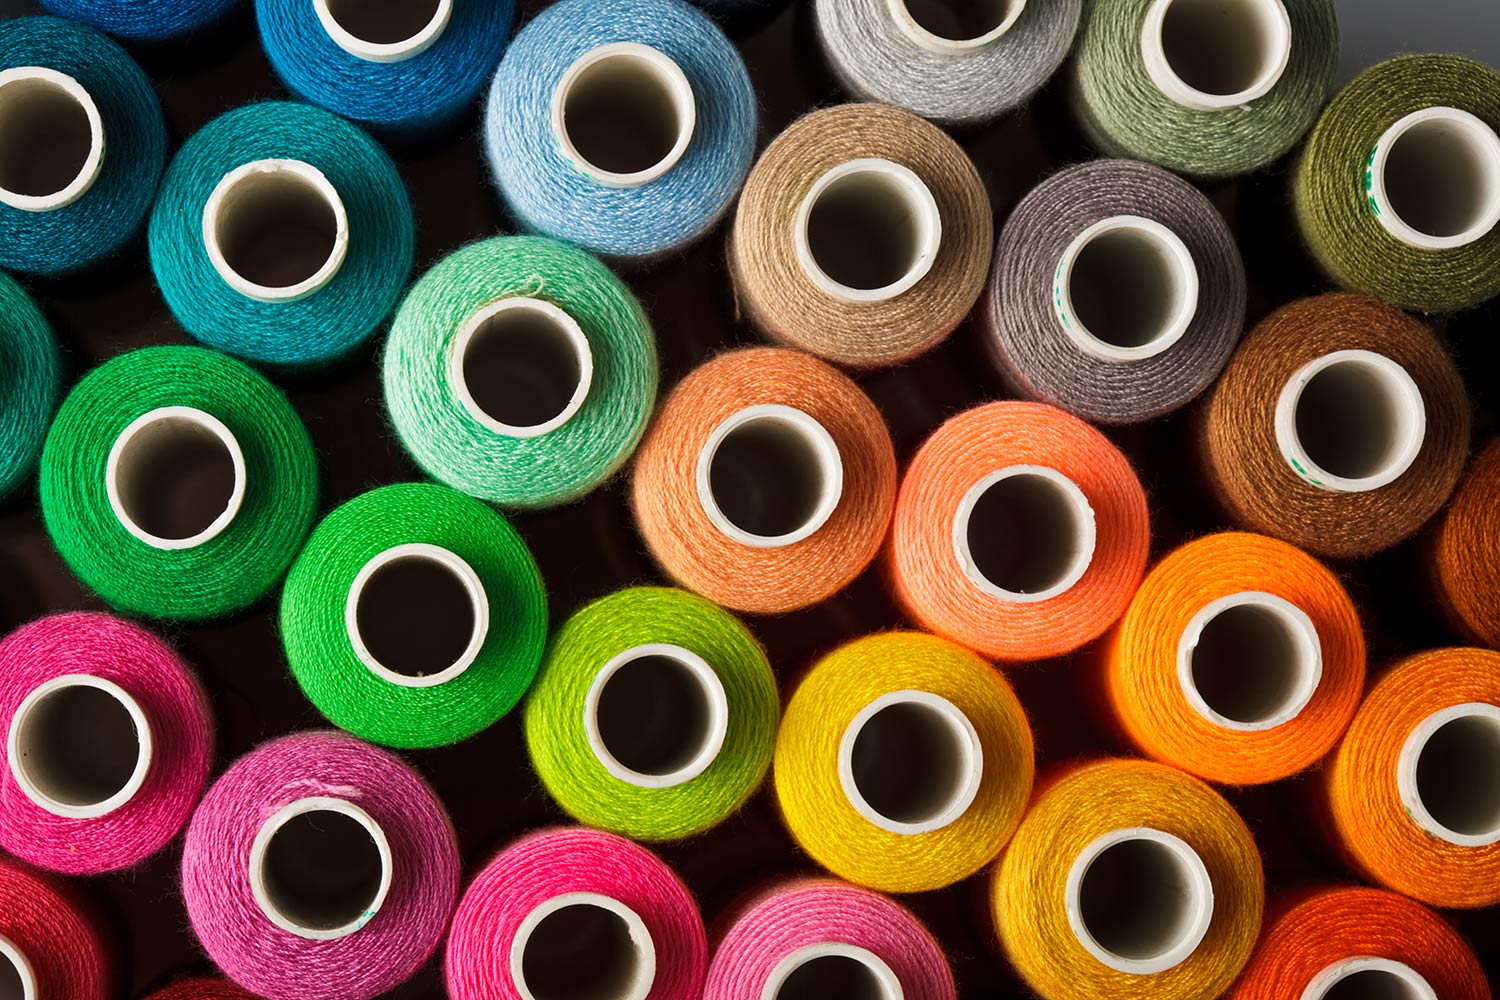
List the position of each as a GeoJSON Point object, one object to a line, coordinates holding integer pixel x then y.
{"type": "Point", "coordinates": [1466, 553]}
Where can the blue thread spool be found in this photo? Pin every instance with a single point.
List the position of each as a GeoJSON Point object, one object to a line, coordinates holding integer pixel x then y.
{"type": "Point", "coordinates": [143, 20]}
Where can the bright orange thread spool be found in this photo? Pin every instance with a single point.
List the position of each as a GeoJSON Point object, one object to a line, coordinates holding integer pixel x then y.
{"type": "Point", "coordinates": [1466, 554]}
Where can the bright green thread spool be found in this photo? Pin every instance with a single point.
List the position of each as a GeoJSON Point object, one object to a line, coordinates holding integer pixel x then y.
{"type": "Point", "coordinates": [554, 355]}
{"type": "Point", "coordinates": [671, 771]}
{"type": "Point", "coordinates": [217, 482]}
{"type": "Point", "coordinates": [30, 380]}
{"type": "Point", "coordinates": [415, 616]}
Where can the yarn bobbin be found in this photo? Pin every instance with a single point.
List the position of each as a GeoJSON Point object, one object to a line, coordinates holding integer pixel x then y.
{"type": "Point", "coordinates": [545, 952]}
{"type": "Point", "coordinates": [1458, 740]}
{"type": "Point", "coordinates": [53, 137]}
{"type": "Point", "coordinates": [832, 969]}
{"type": "Point", "coordinates": [1024, 534]}
{"type": "Point", "coordinates": [528, 335]}
{"type": "Point", "coordinates": [1250, 661]}
{"type": "Point", "coordinates": [384, 32]}
{"type": "Point", "coordinates": [175, 477]}
{"type": "Point", "coordinates": [17, 974]}
{"type": "Point", "coordinates": [1434, 179]}
{"type": "Point", "coordinates": [1212, 55]}
{"type": "Point", "coordinates": [1376, 978]}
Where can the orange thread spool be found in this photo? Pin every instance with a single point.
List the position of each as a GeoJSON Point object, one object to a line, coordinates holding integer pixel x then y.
{"type": "Point", "coordinates": [1020, 531]}
{"type": "Point", "coordinates": [1240, 660]}
{"type": "Point", "coordinates": [1466, 555]}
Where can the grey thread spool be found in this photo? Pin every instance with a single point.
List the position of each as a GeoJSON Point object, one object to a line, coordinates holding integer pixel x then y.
{"type": "Point", "coordinates": [1137, 377]}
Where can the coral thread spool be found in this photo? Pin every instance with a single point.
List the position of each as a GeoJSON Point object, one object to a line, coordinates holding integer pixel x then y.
{"type": "Point", "coordinates": [1465, 556]}
{"type": "Point", "coordinates": [49, 944]}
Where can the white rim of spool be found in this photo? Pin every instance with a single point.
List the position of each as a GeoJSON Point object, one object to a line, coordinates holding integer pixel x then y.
{"type": "Point", "coordinates": [145, 748]}
{"type": "Point", "coordinates": [284, 173]}
{"type": "Point", "coordinates": [900, 11]}
{"type": "Point", "coordinates": [1153, 237]}
{"type": "Point", "coordinates": [563, 323]}
{"type": "Point", "coordinates": [385, 52]}
{"type": "Point", "coordinates": [164, 419]}
{"type": "Point", "coordinates": [1274, 22]}
{"type": "Point", "coordinates": [1411, 982]}
{"type": "Point", "coordinates": [33, 78]}
{"type": "Point", "coordinates": [1408, 785]}
{"type": "Point", "coordinates": [1476, 140]}
{"type": "Point", "coordinates": [25, 971]}
{"type": "Point", "coordinates": [883, 178]}
{"type": "Point", "coordinates": [1403, 397]}
{"type": "Point", "coordinates": [666, 73]}
{"type": "Point", "coordinates": [1085, 536]}
{"type": "Point", "coordinates": [262, 844]}
{"type": "Point", "coordinates": [886, 981]}
{"type": "Point", "coordinates": [639, 933]}
{"type": "Point", "coordinates": [1307, 668]}
{"type": "Point", "coordinates": [1198, 900]}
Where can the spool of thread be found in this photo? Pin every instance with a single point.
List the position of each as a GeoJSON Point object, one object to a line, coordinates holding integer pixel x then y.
{"type": "Point", "coordinates": [49, 947]}
{"type": "Point", "coordinates": [1128, 879]}
{"type": "Point", "coordinates": [320, 866]}
{"type": "Point", "coordinates": [653, 716]}
{"type": "Point", "coordinates": [572, 912]}
{"type": "Point", "coordinates": [29, 386]}
{"type": "Point", "coordinates": [1117, 293]}
{"type": "Point", "coordinates": [144, 20]}
{"type": "Point", "coordinates": [521, 371]}
{"type": "Point", "coordinates": [415, 616]}
{"type": "Point", "coordinates": [1465, 557]}
{"type": "Point", "coordinates": [1340, 425]}
{"type": "Point", "coordinates": [766, 482]}
{"type": "Point", "coordinates": [863, 236]}
{"type": "Point", "coordinates": [1413, 791]}
{"type": "Point", "coordinates": [1020, 532]}
{"type": "Point", "coordinates": [1398, 188]}
{"type": "Point", "coordinates": [84, 141]}
{"type": "Point", "coordinates": [283, 234]}
{"type": "Point", "coordinates": [903, 763]}
{"type": "Point", "coordinates": [624, 126]}
{"type": "Point", "coordinates": [1356, 942]}
{"type": "Point", "coordinates": [812, 939]}
{"type": "Point", "coordinates": [201, 988]}
{"type": "Point", "coordinates": [178, 483]}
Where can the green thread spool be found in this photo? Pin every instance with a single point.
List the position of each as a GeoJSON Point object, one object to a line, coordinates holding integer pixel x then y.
{"type": "Point", "coordinates": [30, 380]}
{"type": "Point", "coordinates": [415, 616]}
{"type": "Point", "coordinates": [178, 483]}
{"type": "Point", "coordinates": [654, 714]}
{"type": "Point", "coordinates": [1397, 192]}
{"type": "Point", "coordinates": [521, 371]}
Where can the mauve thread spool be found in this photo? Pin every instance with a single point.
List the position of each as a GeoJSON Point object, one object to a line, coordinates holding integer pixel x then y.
{"type": "Point", "coordinates": [50, 946]}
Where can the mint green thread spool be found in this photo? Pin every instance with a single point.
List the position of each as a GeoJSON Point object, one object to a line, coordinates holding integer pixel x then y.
{"type": "Point", "coordinates": [654, 714]}
{"type": "Point", "coordinates": [30, 380]}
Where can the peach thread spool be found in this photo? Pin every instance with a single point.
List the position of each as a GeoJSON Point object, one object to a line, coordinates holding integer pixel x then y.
{"type": "Point", "coordinates": [1465, 556]}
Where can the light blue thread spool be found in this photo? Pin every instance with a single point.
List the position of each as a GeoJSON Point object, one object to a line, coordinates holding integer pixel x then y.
{"type": "Point", "coordinates": [29, 383]}
{"type": "Point", "coordinates": [144, 20]}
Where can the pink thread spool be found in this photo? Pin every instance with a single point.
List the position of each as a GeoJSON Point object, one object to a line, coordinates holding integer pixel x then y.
{"type": "Point", "coordinates": [573, 913]}
{"type": "Point", "coordinates": [48, 947]}
{"type": "Point", "coordinates": [107, 741]}
{"type": "Point", "coordinates": [320, 868]}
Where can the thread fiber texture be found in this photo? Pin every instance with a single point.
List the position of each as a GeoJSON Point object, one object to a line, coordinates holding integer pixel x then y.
{"type": "Point", "coordinates": [278, 964]}
{"type": "Point", "coordinates": [42, 918]}
{"type": "Point", "coordinates": [223, 575]}
{"type": "Point", "coordinates": [201, 988]}
{"type": "Point", "coordinates": [450, 443]}
{"type": "Point", "coordinates": [556, 862]}
{"type": "Point", "coordinates": [324, 661]}
{"type": "Point", "coordinates": [549, 195]}
{"type": "Point", "coordinates": [106, 216]}
{"type": "Point", "coordinates": [1465, 556]}
{"type": "Point", "coordinates": [30, 386]}
{"type": "Point", "coordinates": [1258, 486]}
{"type": "Point", "coordinates": [1036, 357]}
{"type": "Point", "coordinates": [320, 327]}
{"type": "Point", "coordinates": [144, 20]}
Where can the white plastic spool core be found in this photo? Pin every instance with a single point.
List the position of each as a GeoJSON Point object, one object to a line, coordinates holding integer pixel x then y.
{"type": "Point", "coordinates": [832, 971]}
{"type": "Point", "coordinates": [1369, 979]}
{"type": "Point", "coordinates": [521, 366]}
{"type": "Point", "coordinates": [51, 139]}
{"type": "Point", "coordinates": [1025, 533]}
{"type": "Point", "coordinates": [583, 946]}
{"type": "Point", "coordinates": [1435, 179]}
{"type": "Point", "coordinates": [1350, 421]}
{"type": "Point", "coordinates": [1139, 900]}
{"type": "Point", "coordinates": [320, 868]}
{"type": "Point", "coordinates": [384, 31]}
{"type": "Point", "coordinates": [1448, 774]}
{"type": "Point", "coordinates": [769, 475]}
{"type": "Point", "coordinates": [276, 230]}
{"type": "Point", "coordinates": [17, 975]}
{"type": "Point", "coordinates": [1209, 55]}
{"type": "Point", "coordinates": [80, 746]}
{"type": "Point", "coordinates": [955, 27]}
{"type": "Point", "coordinates": [175, 477]}
{"type": "Point", "coordinates": [624, 114]}
{"type": "Point", "coordinates": [1250, 661]}
{"type": "Point", "coordinates": [867, 230]}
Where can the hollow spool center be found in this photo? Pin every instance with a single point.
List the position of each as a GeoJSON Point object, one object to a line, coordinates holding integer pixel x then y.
{"type": "Point", "coordinates": [17, 976]}
{"type": "Point", "coordinates": [1209, 55]}
{"type": "Point", "coordinates": [1250, 661]}
{"type": "Point", "coordinates": [1448, 774]}
{"type": "Point", "coordinates": [522, 367]}
{"type": "Point", "coordinates": [1369, 979]}
{"type": "Point", "coordinates": [384, 30]}
{"type": "Point", "coordinates": [954, 27]}
{"type": "Point", "coordinates": [175, 477]}
{"type": "Point", "coordinates": [832, 971]}
{"type": "Point", "coordinates": [51, 139]}
{"type": "Point", "coordinates": [583, 946]}
{"type": "Point", "coordinates": [1024, 533]}
{"type": "Point", "coordinates": [1434, 179]}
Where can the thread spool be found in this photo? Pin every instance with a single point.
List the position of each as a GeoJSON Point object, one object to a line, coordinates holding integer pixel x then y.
{"type": "Point", "coordinates": [339, 912]}
{"type": "Point", "coordinates": [576, 912]}
{"type": "Point", "coordinates": [1418, 227]}
{"type": "Point", "coordinates": [1210, 88]}
{"type": "Point", "coordinates": [1128, 878]}
{"type": "Point", "coordinates": [1310, 433]}
{"type": "Point", "coordinates": [1117, 293]}
{"type": "Point", "coordinates": [1465, 556]}
{"type": "Point", "coordinates": [49, 944]}
{"type": "Point", "coordinates": [283, 235]}
{"type": "Point", "coordinates": [862, 236]}
{"type": "Point", "coordinates": [201, 988]}
{"type": "Point", "coordinates": [84, 143]}
{"type": "Point", "coordinates": [521, 371]}
{"type": "Point", "coordinates": [169, 556]}
{"type": "Point", "coordinates": [414, 617]}
{"type": "Point", "coordinates": [30, 387]}
{"type": "Point", "coordinates": [144, 20]}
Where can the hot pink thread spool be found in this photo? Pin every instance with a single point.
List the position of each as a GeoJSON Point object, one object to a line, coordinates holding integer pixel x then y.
{"type": "Point", "coordinates": [320, 868]}
{"type": "Point", "coordinates": [48, 947]}
{"type": "Point", "coordinates": [575, 912]}
{"type": "Point", "coordinates": [107, 743]}
{"type": "Point", "coordinates": [816, 938]}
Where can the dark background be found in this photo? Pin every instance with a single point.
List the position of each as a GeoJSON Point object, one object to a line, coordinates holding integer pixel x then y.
{"type": "Point", "coordinates": [591, 548]}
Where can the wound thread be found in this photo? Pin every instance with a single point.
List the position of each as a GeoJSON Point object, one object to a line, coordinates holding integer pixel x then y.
{"type": "Point", "coordinates": [31, 386]}
{"type": "Point", "coordinates": [49, 927]}
{"type": "Point", "coordinates": [1465, 555]}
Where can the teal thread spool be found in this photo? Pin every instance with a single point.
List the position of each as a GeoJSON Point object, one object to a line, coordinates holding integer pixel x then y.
{"type": "Point", "coordinates": [178, 483]}
{"type": "Point", "coordinates": [30, 380]}
{"type": "Point", "coordinates": [521, 371]}
{"type": "Point", "coordinates": [654, 714]}
{"type": "Point", "coordinates": [415, 616]}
